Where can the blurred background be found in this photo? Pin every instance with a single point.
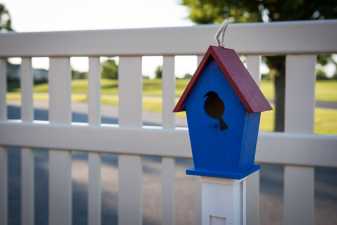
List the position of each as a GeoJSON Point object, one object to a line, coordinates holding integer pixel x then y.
{"type": "Point", "coordinates": [43, 15]}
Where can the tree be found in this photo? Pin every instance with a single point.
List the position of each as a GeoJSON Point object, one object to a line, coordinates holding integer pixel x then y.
{"type": "Point", "coordinates": [110, 69]}
{"type": "Point", "coordinates": [158, 72]}
{"type": "Point", "coordinates": [215, 11]}
{"type": "Point", "coordinates": [5, 19]}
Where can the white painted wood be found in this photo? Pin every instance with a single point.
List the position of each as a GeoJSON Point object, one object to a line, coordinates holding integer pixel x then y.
{"type": "Point", "coordinates": [279, 148]}
{"type": "Point", "coordinates": [199, 58]}
{"type": "Point", "coordinates": [60, 191]}
{"type": "Point", "coordinates": [168, 191]}
{"type": "Point", "coordinates": [59, 79]}
{"type": "Point", "coordinates": [3, 186]}
{"type": "Point", "coordinates": [254, 38]}
{"type": "Point", "coordinates": [169, 92]}
{"type": "Point", "coordinates": [298, 195]}
{"type": "Point", "coordinates": [94, 189]}
{"type": "Point", "coordinates": [253, 199]}
{"type": "Point", "coordinates": [130, 193]}
{"type": "Point", "coordinates": [94, 100]}
{"type": "Point", "coordinates": [130, 91]}
{"type": "Point", "coordinates": [253, 66]}
{"type": "Point", "coordinates": [253, 182]}
{"type": "Point", "coordinates": [27, 186]}
{"type": "Point", "coordinates": [27, 157]}
{"type": "Point", "coordinates": [26, 90]}
{"type": "Point", "coordinates": [299, 117]}
{"type": "Point", "coordinates": [94, 160]}
{"type": "Point", "coordinates": [3, 89]}
{"type": "Point", "coordinates": [223, 201]}
{"type": "Point", "coordinates": [198, 185]}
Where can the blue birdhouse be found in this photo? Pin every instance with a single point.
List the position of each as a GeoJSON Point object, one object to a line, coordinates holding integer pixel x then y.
{"type": "Point", "coordinates": [223, 106]}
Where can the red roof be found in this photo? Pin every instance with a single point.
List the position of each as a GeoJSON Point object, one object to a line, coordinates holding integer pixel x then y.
{"type": "Point", "coordinates": [236, 74]}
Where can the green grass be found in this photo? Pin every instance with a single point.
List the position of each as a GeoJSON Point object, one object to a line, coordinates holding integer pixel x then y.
{"type": "Point", "coordinates": [325, 119]}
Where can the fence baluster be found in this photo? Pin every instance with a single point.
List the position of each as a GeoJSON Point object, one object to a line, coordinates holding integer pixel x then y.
{"type": "Point", "coordinates": [94, 160]}
{"type": "Point", "coordinates": [27, 157]}
{"type": "Point", "coordinates": [169, 92]}
{"type": "Point", "coordinates": [60, 186]}
{"type": "Point", "coordinates": [130, 195]}
{"type": "Point", "coordinates": [253, 181]}
{"type": "Point", "coordinates": [299, 117]}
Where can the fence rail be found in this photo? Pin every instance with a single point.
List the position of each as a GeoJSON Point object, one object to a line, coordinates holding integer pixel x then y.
{"type": "Point", "coordinates": [298, 149]}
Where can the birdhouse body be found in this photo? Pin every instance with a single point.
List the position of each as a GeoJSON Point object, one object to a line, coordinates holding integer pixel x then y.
{"type": "Point", "coordinates": [220, 153]}
{"type": "Point", "coordinates": [223, 113]}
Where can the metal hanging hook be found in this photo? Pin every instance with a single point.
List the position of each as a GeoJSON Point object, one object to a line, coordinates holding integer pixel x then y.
{"type": "Point", "coordinates": [220, 34]}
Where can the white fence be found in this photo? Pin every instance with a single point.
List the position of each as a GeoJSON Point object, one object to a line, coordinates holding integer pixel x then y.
{"type": "Point", "coordinates": [298, 149]}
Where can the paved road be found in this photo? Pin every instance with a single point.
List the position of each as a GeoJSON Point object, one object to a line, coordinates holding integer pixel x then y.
{"type": "Point", "coordinates": [271, 187]}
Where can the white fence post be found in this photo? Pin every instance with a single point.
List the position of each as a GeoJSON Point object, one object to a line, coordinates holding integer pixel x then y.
{"type": "Point", "coordinates": [223, 201]}
{"type": "Point", "coordinates": [130, 193]}
{"type": "Point", "coordinates": [60, 183]}
{"type": "Point", "coordinates": [299, 118]}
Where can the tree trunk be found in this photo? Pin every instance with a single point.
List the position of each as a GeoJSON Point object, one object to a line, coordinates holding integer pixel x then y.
{"type": "Point", "coordinates": [277, 66]}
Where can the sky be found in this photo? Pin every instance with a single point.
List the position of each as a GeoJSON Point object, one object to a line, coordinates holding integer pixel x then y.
{"type": "Point", "coordinates": [58, 15]}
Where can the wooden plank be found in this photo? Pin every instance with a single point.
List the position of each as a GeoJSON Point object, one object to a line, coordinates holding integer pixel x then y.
{"type": "Point", "coordinates": [94, 161]}
{"type": "Point", "coordinates": [253, 199]}
{"type": "Point", "coordinates": [27, 186]}
{"type": "Point", "coordinates": [130, 195]}
{"type": "Point", "coordinates": [3, 186]}
{"type": "Point", "coordinates": [169, 92]}
{"type": "Point", "coordinates": [3, 89]}
{"type": "Point", "coordinates": [94, 189]}
{"type": "Point", "coordinates": [130, 91]}
{"type": "Point", "coordinates": [255, 38]}
{"type": "Point", "coordinates": [26, 90]}
{"type": "Point", "coordinates": [253, 66]}
{"type": "Point", "coordinates": [94, 109]}
{"type": "Point", "coordinates": [278, 148]}
{"type": "Point", "coordinates": [253, 181]}
{"type": "Point", "coordinates": [60, 183]}
{"type": "Point", "coordinates": [168, 191]}
{"type": "Point", "coordinates": [299, 115]}
{"type": "Point", "coordinates": [130, 192]}
{"type": "Point", "coordinates": [27, 157]}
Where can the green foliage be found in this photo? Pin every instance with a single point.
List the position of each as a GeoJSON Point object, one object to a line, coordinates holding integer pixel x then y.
{"type": "Point", "coordinates": [158, 72]}
{"type": "Point", "coordinates": [76, 75]}
{"type": "Point", "coordinates": [110, 69]}
{"type": "Point", "coordinates": [5, 19]}
{"type": "Point", "coordinates": [215, 11]}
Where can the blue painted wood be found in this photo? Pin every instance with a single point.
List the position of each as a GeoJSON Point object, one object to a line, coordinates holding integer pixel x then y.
{"type": "Point", "coordinates": [225, 153]}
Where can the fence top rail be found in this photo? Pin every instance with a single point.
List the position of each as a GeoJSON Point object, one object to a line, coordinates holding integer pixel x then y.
{"type": "Point", "coordinates": [298, 37]}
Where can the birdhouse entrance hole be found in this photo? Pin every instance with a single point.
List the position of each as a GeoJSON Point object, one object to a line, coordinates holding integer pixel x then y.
{"type": "Point", "coordinates": [215, 108]}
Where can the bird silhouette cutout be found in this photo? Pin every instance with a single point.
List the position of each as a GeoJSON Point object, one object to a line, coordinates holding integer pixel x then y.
{"type": "Point", "coordinates": [215, 108]}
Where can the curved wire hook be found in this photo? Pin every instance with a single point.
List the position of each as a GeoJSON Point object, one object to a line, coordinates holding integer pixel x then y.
{"type": "Point", "coordinates": [220, 34]}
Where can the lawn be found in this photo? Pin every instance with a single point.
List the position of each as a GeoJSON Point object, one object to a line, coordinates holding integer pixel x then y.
{"type": "Point", "coordinates": [325, 119]}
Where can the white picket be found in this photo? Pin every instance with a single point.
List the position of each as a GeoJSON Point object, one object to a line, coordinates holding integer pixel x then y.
{"type": "Point", "coordinates": [94, 160]}
{"type": "Point", "coordinates": [3, 152]}
{"type": "Point", "coordinates": [130, 195]}
{"type": "Point", "coordinates": [253, 181]}
{"type": "Point", "coordinates": [168, 191]}
{"type": "Point", "coordinates": [3, 186]}
{"type": "Point", "coordinates": [169, 88]}
{"type": "Point", "coordinates": [60, 185]}
{"type": "Point", "coordinates": [299, 117]}
{"type": "Point", "coordinates": [94, 189]}
{"type": "Point", "coordinates": [3, 89]}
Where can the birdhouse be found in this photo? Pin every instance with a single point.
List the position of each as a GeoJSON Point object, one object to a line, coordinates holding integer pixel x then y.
{"type": "Point", "coordinates": [223, 106]}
